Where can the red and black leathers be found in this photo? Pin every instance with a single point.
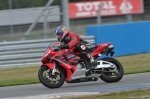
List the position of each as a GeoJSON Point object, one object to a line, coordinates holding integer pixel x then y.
{"type": "Point", "coordinates": [71, 40]}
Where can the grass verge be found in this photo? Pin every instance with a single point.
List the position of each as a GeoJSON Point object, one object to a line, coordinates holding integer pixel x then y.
{"type": "Point", "coordinates": [28, 75]}
{"type": "Point", "coordinates": [134, 94]}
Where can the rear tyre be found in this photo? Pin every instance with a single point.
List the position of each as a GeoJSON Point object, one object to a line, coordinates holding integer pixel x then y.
{"type": "Point", "coordinates": [112, 77]}
{"type": "Point", "coordinates": [51, 81]}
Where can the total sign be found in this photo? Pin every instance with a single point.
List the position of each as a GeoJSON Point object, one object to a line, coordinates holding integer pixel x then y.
{"type": "Point", "coordinates": [110, 7]}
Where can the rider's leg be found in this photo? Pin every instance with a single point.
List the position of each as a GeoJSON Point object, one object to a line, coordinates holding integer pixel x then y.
{"type": "Point", "coordinates": [83, 49]}
{"type": "Point", "coordinates": [90, 57]}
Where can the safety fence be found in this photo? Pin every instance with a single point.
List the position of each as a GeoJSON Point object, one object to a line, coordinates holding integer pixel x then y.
{"type": "Point", "coordinates": [16, 11]}
{"type": "Point", "coordinates": [27, 53]}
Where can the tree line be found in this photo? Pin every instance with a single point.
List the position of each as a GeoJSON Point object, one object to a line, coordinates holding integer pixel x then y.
{"type": "Point", "coordinates": [4, 4]}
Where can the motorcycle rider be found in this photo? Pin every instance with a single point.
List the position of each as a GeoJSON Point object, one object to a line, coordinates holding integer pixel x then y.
{"type": "Point", "coordinates": [69, 40]}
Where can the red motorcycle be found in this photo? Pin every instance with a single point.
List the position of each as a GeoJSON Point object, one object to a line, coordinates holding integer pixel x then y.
{"type": "Point", "coordinates": [62, 65]}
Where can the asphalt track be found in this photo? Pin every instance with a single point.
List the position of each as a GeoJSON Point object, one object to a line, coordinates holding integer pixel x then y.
{"type": "Point", "coordinates": [129, 82]}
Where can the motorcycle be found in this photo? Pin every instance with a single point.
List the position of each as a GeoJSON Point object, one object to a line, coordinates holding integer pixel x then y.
{"type": "Point", "coordinates": [61, 66]}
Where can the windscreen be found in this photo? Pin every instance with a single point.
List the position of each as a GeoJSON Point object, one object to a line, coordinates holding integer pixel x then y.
{"type": "Point", "coordinates": [54, 45]}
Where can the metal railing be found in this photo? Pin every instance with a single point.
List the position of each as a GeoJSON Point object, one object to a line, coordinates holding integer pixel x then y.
{"type": "Point", "coordinates": [26, 53]}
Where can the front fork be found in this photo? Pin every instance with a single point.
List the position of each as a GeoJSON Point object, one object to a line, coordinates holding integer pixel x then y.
{"type": "Point", "coordinates": [54, 69]}
{"type": "Point", "coordinates": [51, 66]}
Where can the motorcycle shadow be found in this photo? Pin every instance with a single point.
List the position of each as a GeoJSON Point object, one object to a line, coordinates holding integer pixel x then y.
{"type": "Point", "coordinates": [92, 83]}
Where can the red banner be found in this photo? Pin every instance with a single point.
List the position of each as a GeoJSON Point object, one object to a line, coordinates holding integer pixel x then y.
{"type": "Point", "coordinates": [110, 7]}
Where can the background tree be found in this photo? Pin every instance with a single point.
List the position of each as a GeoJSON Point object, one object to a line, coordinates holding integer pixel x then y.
{"type": "Point", "coordinates": [28, 3]}
{"type": "Point", "coordinates": [4, 4]}
{"type": "Point", "coordinates": [147, 2]}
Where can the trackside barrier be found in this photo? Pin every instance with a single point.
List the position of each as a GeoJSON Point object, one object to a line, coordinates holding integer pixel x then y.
{"type": "Point", "coordinates": [127, 38]}
{"type": "Point", "coordinates": [27, 53]}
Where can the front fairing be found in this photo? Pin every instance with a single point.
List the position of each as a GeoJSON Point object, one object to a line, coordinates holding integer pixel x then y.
{"type": "Point", "coordinates": [49, 51]}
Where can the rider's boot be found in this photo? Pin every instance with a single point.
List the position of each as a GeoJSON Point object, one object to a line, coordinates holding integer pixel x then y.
{"type": "Point", "coordinates": [92, 61]}
{"type": "Point", "coordinates": [91, 65]}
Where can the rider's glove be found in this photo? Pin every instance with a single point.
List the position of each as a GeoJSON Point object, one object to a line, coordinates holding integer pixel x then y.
{"type": "Point", "coordinates": [64, 46]}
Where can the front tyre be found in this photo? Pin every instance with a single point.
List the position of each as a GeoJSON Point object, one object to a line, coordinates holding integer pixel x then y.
{"type": "Point", "coordinates": [117, 75]}
{"type": "Point", "coordinates": [51, 81]}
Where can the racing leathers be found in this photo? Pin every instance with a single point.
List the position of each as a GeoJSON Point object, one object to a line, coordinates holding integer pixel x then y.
{"type": "Point", "coordinates": [73, 40]}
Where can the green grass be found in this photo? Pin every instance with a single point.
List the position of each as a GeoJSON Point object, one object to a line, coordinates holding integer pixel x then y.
{"type": "Point", "coordinates": [135, 63]}
{"type": "Point", "coordinates": [28, 75]}
{"type": "Point", "coordinates": [134, 94]}
{"type": "Point", "coordinates": [18, 76]}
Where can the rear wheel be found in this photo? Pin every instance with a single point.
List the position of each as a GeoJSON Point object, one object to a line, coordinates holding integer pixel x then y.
{"type": "Point", "coordinates": [51, 81]}
{"type": "Point", "coordinates": [114, 75]}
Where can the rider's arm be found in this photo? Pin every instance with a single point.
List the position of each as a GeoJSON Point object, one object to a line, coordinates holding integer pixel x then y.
{"type": "Point", "coordinates": [73, 42]}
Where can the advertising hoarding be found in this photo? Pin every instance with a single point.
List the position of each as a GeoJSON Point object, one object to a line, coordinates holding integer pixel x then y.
{"type": "Point", "coordinates": [110, 7]}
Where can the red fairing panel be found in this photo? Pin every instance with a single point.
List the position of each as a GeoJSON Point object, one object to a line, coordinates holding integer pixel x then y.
{"type": "Point", "coordinates": [49, 65]}
{"type": "Point", "coordinates": [70, 72]}
{"type": "Point", "coordinates": [69, 68]}
{"type": "Point", "coordinates": [100, 48]}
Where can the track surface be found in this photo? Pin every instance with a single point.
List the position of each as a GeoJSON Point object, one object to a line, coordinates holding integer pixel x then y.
{"type": "Point", "coordinates": [126, 83]}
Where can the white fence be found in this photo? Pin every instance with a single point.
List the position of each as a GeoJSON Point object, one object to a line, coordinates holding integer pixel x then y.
{"type": "Point", "coordinates": [26, 53]}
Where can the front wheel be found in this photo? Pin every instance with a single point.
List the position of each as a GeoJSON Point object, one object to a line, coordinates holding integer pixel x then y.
{"type": "Point", "coordinates": [115, 76]}
{"type": "Point", "coordinates": [51, 81]}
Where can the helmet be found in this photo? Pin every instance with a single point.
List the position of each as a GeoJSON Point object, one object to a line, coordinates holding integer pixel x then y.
{"type": "Point", "coordinates": [61, 32]}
